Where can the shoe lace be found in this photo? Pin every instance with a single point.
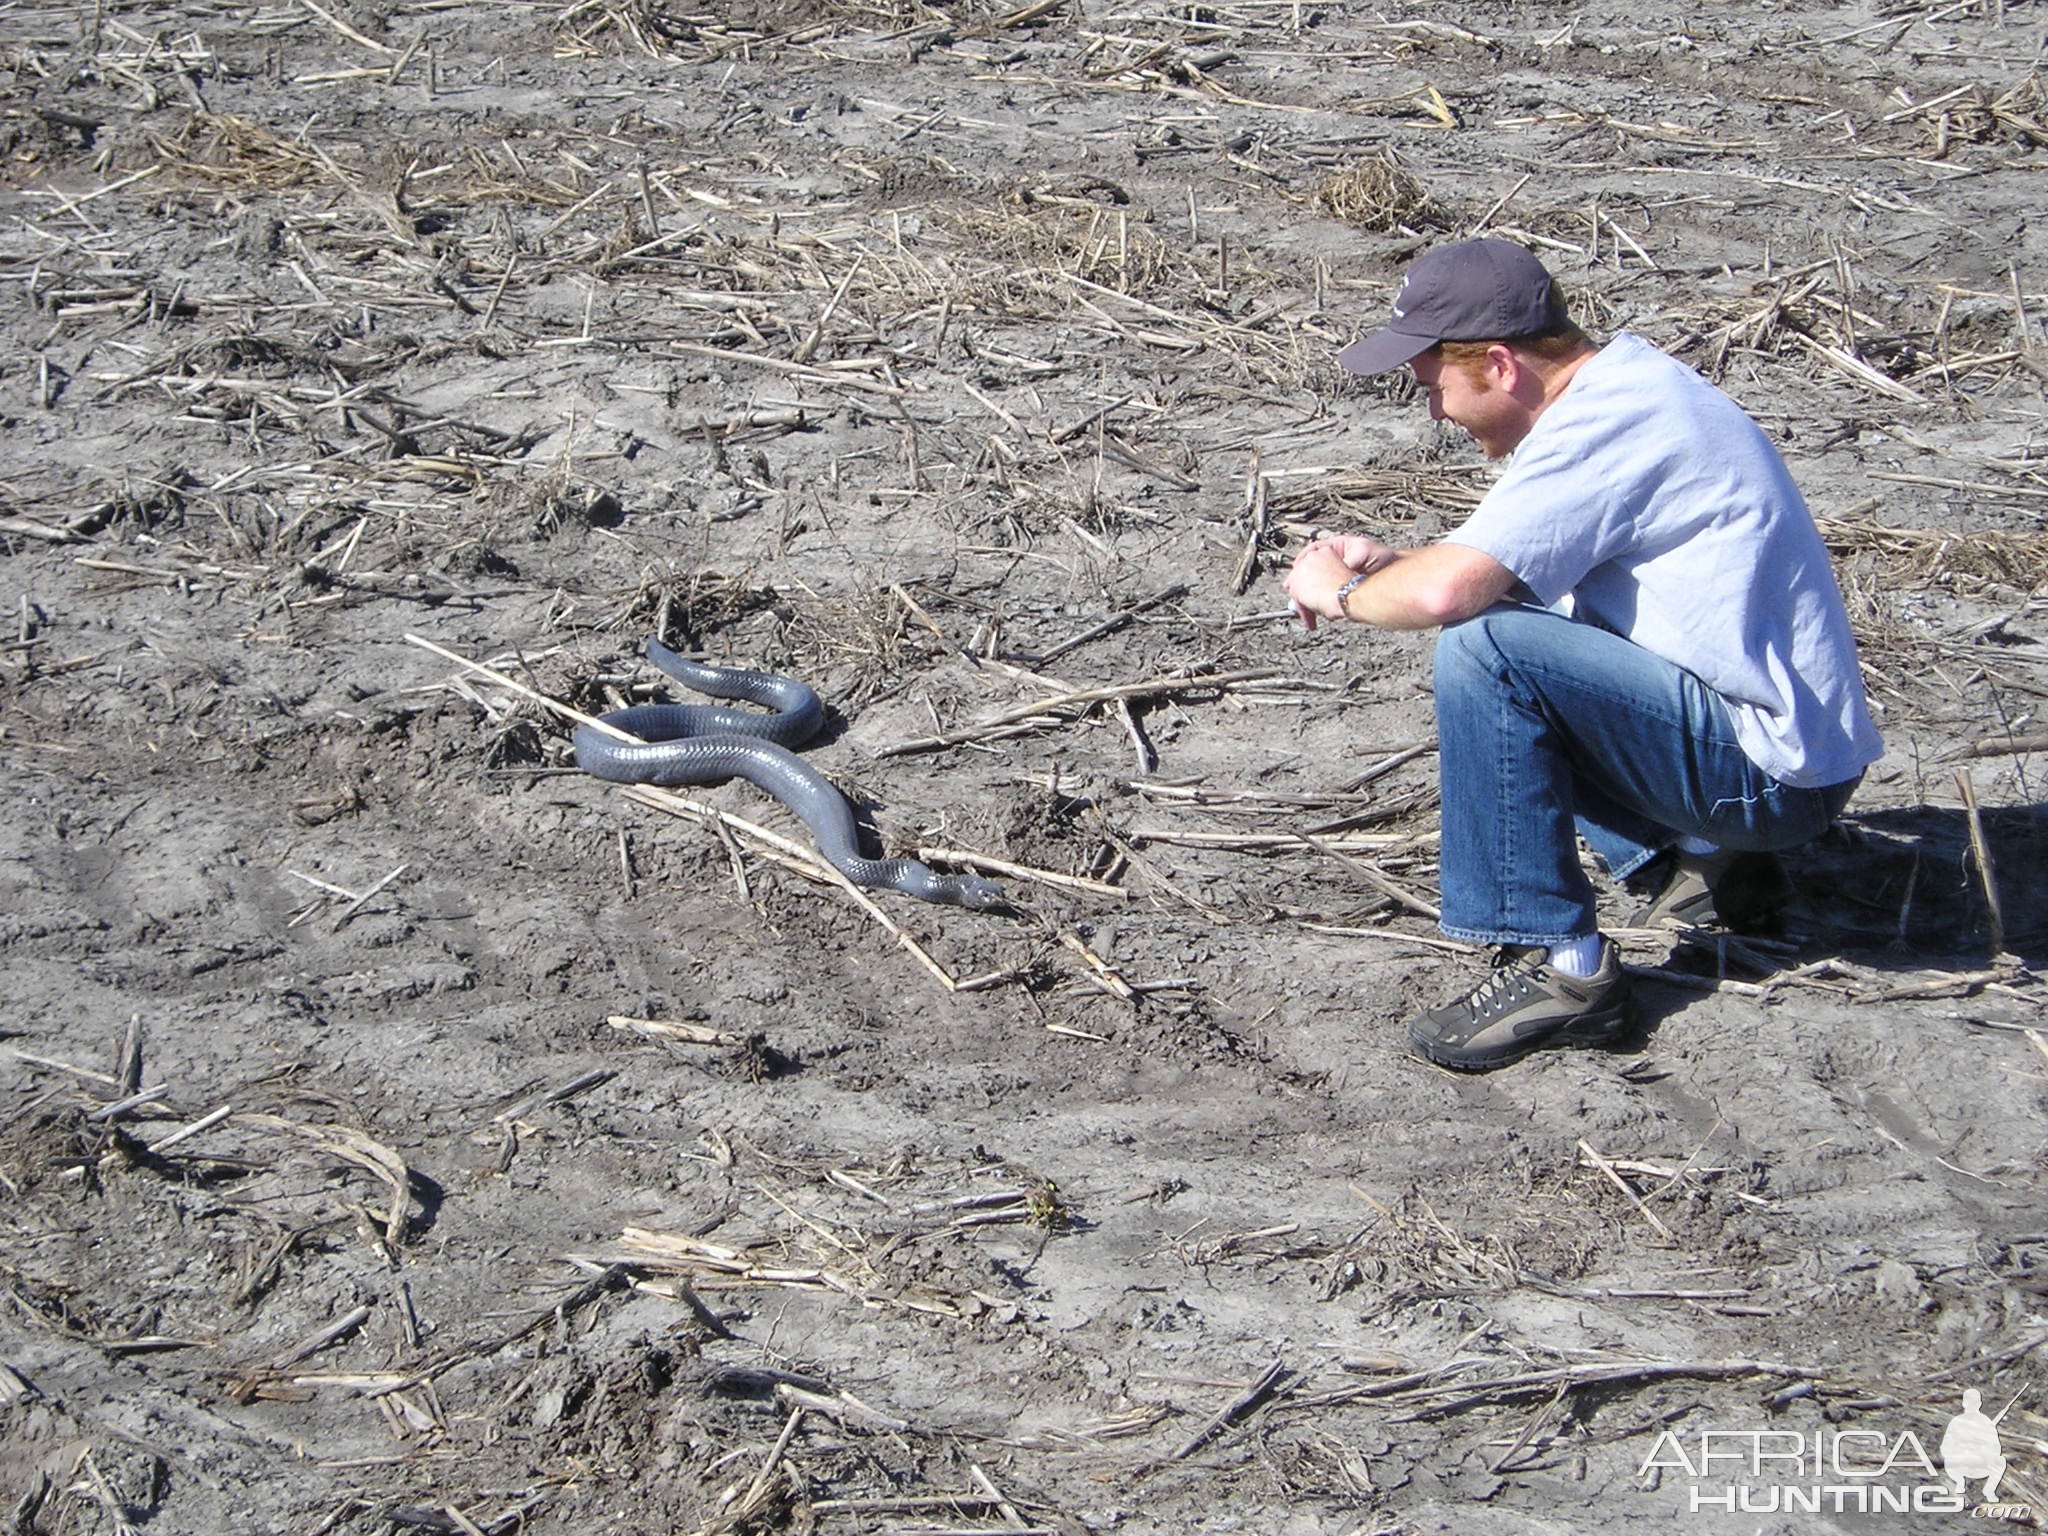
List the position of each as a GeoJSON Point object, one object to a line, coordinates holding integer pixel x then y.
{"type": "Point", "coordinates": [1502, 989]}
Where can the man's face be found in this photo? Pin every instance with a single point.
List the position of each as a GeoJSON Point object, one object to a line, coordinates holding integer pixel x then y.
{"type": "Point", "coordinates": [1467, 396]}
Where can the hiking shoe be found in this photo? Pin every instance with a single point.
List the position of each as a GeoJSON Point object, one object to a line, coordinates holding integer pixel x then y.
{"type": "Point", "coordinates": [1525, 1005]}
{"type": "Point", "coordinates": [1742, 892]}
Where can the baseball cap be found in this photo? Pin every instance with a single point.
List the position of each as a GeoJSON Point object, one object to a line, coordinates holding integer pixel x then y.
{"type": "Point", "coordinates": [1473, 290]}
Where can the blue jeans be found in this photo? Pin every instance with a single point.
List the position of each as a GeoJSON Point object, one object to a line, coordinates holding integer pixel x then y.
{"type": "Point", "coordinates": [1547, 727]}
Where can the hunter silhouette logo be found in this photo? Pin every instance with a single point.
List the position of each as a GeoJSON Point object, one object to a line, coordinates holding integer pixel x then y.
{"type": "Point", "coordinates": [1970, 1448]}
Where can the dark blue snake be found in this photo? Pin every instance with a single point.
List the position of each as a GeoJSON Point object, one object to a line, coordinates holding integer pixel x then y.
{"type": "Point", "coordinates": [705, 744]}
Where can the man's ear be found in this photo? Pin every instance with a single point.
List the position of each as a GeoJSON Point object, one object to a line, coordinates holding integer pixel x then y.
{"type": "Point", "coordinates": [1503, 365]}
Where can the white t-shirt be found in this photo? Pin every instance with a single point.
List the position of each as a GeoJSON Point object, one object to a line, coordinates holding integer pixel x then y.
{"type": "Point", "coordinates": [1653, 501]}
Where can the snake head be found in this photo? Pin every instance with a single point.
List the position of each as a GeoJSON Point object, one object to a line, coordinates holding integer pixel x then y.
{"type": "Point", "coordinates": [980, 895]}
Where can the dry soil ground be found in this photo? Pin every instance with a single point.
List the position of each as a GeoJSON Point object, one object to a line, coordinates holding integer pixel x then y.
{"type": "Point", "coordinates": [402, 1132]}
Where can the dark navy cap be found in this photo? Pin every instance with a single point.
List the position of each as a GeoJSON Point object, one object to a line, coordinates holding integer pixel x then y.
{"type": "Point", "coordinates": [1474, 290]}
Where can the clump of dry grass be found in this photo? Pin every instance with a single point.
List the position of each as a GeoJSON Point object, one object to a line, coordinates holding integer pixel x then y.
{"type": "Point", "coordinates": [852, 15]}
{"type": "Point", "coordinates": [220, 149]}
{"type": "Point", "coordinates": [646, 26]}
{"type": "Point", "coordinates": [1810, 324]}
{"type": "Point", "coordinates": [1016, 243]}
{"type": "Point", "coordinates": [1382, 496]}
{"type": "Point", "coordinates": [1925, 556]}
{"type": "Point", "coordinates": [688, 605]}
{"type": "Point", "coordinates": [2014, 116]}
{"type": "Point", "coordinates": [493, 174]}
{"type": "Point", "coordinates": [861, 639]}
{"type": "Point", "coordinates": [593, 688]}
{"type": "Point", "coordinates": [147, 498]}
{"type": "Point", "coordinates": [1375, 193]}
{"type": "Point", "coordinates": [860, 15]}
{"type": "Point", "coordinates": [559, 499]}
{"type": "Point", "coordinates": [662, 29]}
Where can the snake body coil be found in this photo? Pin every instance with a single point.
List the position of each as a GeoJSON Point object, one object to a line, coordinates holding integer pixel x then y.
{"type": "Point", "coordinates": [706, 744]}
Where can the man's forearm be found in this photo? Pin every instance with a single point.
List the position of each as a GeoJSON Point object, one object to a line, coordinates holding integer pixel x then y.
{"type": "Point", "coordinates": [1413, 589]}
{"type": "Point", "coordinates": [1403, 594]}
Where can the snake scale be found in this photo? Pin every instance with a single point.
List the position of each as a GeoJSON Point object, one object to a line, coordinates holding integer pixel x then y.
{"type": "Point", "coordinates": [708, 744]}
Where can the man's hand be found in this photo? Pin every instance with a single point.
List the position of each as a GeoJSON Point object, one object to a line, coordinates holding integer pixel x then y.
{"type": "Point", "coordinates": [1358, 552]}
{"type": "Point", "coordinates": [1324, 566]}
{"type": "Point", "coordinates": [1410, 589]}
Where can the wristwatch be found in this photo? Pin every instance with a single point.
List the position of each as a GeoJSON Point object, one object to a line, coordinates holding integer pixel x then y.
{"type": "Point", "coordinates": [1345, 592]}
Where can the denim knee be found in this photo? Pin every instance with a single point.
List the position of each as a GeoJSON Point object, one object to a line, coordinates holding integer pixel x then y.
{"type": "Point", "coordinates": [1467, 654]}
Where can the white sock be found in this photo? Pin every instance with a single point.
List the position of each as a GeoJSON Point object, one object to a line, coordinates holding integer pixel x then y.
{"type": "Point", "coordinates": [1579, 957]}
{"type": "Point", "coordinates": [1698, 847]}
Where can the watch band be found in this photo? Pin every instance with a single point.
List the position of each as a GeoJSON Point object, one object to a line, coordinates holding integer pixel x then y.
{"type": "Point", "coordinates": [1344, 592]}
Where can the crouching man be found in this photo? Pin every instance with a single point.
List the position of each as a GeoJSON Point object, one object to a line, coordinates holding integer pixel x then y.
{"type": "Point", "coordinates": [1642, 642]}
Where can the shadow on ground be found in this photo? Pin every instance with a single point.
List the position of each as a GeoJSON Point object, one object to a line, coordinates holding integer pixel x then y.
{"type": "Point", "coordinates": [1908, 888]}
